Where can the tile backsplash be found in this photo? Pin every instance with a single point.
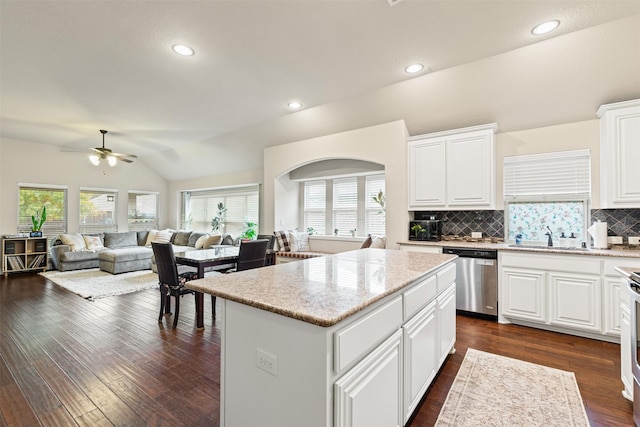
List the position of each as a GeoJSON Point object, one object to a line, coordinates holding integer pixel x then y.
{"type": "Point", "coordinates": [620, 222]}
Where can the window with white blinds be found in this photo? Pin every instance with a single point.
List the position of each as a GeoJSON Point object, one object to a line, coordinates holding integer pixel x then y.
{"type": "Point", "coordinates": [547, 193]}
{"type": "Point", "coordinates": [98, 210]}
{"type": "Point", "coordinates": [142, 211]}
{"type": "Point", "coordinates": [200, 207]}
{"type": "Point", "coordinates": [374, 215]}
{"type": "Point", "coordinates": [315, 204]}
{"type": "Point", "coordinates": [32, 198]}
{"type": "Point", "coordinates": [559, 175]}
{"type": "Point", "coordinates": [344, 204]}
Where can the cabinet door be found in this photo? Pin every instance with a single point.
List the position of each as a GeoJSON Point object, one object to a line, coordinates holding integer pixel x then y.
{"type": "Point", "coordinates": [575, 301]}
{"type": "Point", "coordinates": [420, 336]}
{"type": "Point", "coordinates": [625, 347]}
{"type": "Point", "coordinates": [446, 314]}
{"type": "Point", "coordinates": [370, 393]}
{"type": "Point", "coordinates": [470, 170]}
{"type": "Point", "coordinates": [620, 151]}
{"type": "Point", "coordinates": [426, 173]}
{"type": "Point", "coordinates": [611, 306]}
{"type": "Point", "coordinates": [522, 294]}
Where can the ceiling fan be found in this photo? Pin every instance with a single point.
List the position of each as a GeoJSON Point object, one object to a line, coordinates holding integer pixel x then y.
{"type": "Point", "coordinates": [103, 153]}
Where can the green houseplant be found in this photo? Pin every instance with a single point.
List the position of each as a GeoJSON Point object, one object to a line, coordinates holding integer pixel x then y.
{"type": "Point", "coordinates": [218, 221]}
{"type": "Point", "coordinates": [250, 231]}
{"type": "Point", "coordinates": [38, 221]}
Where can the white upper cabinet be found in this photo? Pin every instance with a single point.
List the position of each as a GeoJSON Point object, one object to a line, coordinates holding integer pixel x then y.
{"type": "Point", "coordinates": [453, 169]}
{"type": "Point", "coordinates": [620, 154]}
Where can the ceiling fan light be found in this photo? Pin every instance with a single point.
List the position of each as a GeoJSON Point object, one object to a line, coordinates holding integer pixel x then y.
{"type": "Point", "coordinates": [112, 160]}
{"type": "Point", "coordinates": [94, 159]}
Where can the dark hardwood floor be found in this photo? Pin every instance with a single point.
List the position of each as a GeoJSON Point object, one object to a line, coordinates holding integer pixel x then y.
{"type": "Point", "coordinates": [66, 361]}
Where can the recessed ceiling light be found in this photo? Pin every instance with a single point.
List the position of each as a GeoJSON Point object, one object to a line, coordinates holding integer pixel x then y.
{"type": "Point", "coordinates": [294, 105]}
{"type": "Point", "coordinates": [545, 27]}
{"type": "Point", "coordinates": [182, 49]}
{"type": "Point", "coordinates": [414, 68]}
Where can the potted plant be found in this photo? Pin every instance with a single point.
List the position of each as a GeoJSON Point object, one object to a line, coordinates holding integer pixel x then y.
{"type": "Point", "coordinates": [380, 199]}
{"type": "Point", "coordinates": [249, 232]}
{"type": "Point", "coordinates": [217, 222]}
{"type": "Point", "coordinates": [38, 221]}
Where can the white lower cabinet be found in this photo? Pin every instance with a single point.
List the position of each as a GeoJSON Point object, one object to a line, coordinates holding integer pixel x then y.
{"type": "Point", "coordinates": [523, 294]}
{"type": "Point", "coordinates": [370, 394]}
{"type": "Point", "coordinates": [575, 301]}
{"type": "Point", "coordinates": [611, 292]}
{"type": "Point", "coordinates": [420, 337]}
{"type": "Point", "coordinates": [625, 344]}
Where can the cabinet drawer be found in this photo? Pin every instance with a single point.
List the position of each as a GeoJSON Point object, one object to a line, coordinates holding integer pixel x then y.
{"type": "Point", "coordinates": [355, 340]}
{"type": "Point", "coordinates": [611, 263]}
{"type": "Point", "coordinates": [446, 277]}
{"type": "Point", "coordinates": [419, 296]}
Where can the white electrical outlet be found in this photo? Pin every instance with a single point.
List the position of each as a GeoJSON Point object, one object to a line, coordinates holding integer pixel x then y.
{"type": "Point", "coordinates": [476, 234]}
{"type": "Point", "coordinates": [614, 240]}
{"type": "Point", "coordinates": [634, 240]}
{"type": "Point", "coordinates": [267, 362]}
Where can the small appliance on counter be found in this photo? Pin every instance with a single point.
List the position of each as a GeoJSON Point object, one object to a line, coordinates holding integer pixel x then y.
{"type": "Point", "coordinates": [425, 230]}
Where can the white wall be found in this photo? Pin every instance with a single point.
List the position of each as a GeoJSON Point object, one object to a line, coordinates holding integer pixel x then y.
{"type": "Point", "coordinates": [30, 162]}
{"type": "Point", "coordinates": [384, 144]}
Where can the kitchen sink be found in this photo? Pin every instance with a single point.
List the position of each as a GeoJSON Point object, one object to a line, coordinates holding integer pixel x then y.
{"type": "Point", "coordinates": [559, 248]}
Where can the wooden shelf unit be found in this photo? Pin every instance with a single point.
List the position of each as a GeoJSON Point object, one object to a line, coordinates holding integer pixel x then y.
{"type": "Point", "coordinates": [24, 254]}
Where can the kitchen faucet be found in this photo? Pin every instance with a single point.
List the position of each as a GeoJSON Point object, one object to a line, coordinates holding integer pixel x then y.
{"type": "Point", "coordinates": [550, 235]}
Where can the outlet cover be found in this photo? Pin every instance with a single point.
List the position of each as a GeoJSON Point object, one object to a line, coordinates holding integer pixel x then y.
{"type": "Point", "coordinates": [267, 362]}
{"type": "Point", "coordinates": [634, 240]}
{"type": "Point", "coordinates": [476, 234]}
{"type": "Point", "coordinates": [614, 240]}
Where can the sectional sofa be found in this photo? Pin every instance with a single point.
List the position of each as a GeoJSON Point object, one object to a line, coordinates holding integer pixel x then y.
{"type": "Point", "coordinates": [120, 252]}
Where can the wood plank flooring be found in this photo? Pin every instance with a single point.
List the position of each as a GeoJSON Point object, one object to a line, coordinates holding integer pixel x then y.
{"type": "Point", "coordinates": [65, 361]}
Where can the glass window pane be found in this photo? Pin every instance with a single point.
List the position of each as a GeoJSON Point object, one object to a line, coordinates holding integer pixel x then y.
{"type": "Point", "coordinates": [345, 206]}
{"type": "Point", "coordinates": [531, 219]}
{"type": "Point", "coordinates": [98, 211]}
{"type": "Point", "coordinates": [314, 206]}
{"type": "Point", "coordinates": [142, 211]}
{"type": "Point", "coordinates": [31, 201]}
{"type": "Point", "coordinates": [375, 220]}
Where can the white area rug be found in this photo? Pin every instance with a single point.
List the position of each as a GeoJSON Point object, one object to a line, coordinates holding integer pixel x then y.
{"type": "Point", "coordinates": [492, 390]}
{"type": "Point", "coordinates": [93, 283]}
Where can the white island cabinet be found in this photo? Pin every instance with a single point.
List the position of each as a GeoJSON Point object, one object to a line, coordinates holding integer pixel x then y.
{"type": "Point", "coordinates": [351, 339]}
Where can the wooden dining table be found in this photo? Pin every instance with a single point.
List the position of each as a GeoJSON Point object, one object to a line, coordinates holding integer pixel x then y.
{"type": "Point", "coordinates": [202, 259]}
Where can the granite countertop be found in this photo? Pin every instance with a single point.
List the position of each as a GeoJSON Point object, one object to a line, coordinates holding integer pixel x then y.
{"type": "Point", "coordinates": [617, 251]}
{"type": "Point", "coordinates": [324, 290]}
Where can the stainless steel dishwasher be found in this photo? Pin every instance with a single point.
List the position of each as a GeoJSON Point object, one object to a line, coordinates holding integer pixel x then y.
{"type": "Point", "coordinates": [476, 280]}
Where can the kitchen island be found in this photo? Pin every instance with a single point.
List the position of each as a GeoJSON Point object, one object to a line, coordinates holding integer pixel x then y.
{"type": "Point", "coordinates": [347, 339]}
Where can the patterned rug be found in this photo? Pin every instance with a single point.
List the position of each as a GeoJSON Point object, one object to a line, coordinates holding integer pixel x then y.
{"type": "Point", "coordinates": [93, 283]}
{"type": "Point", "coordinates": [492, 390]}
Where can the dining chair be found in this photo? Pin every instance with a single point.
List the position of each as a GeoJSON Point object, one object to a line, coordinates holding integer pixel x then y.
{"type": "Point", "coordinates": [252, 254]}
{"type": "Point", "coordinates": [270, 258]}
{"type": "Point", "coordinates": [171, 283]}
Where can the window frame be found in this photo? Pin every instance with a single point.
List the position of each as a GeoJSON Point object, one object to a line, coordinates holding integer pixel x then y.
{"type": "Point", "coordinates": [143, 225]}
{"type": "Point", "coordinates": [97, 227]}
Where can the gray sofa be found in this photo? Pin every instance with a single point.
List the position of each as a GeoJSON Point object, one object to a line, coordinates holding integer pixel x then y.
{"type": "Point", "coordinates": [122, 252]}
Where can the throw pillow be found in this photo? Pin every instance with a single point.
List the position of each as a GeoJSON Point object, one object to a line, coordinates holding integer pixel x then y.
{"type": "Point", "coordinates": [367, 242]}
{"type": "Point", "coordinates": [193, 239]}
{"type": "Point", "coordinates": [163, 236]}
{"type": "Point", "coordinates": [282, 237]}
{"type": "Point", "coordinates": [75, 241]}
{"type": "Point", "coordinates": [200, 242]}
{"type": "Point", "coordinates": [378, 242]}
{"type": "Point", "coordinates": [93, 243]}
{"type": "Point", "coordinates": [151, 237]}
{"type": "Point", "coordinates": [299, 241]}
{"type": "Point", "coordinates": [214, 240]}
{"type": "Point", "coordinates": [182, 238]}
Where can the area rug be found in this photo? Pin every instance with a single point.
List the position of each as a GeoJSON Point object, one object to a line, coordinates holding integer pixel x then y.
{"type": "Point", "coordinates": [93, 283]}
{"type": "Point", "coordinates": [492, 390]}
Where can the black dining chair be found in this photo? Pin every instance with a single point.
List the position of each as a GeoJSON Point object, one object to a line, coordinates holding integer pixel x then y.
{"type": "Point", "coordinates": [270, 258]}
{"type": "Point", "coordinates": [171, 283]}
{"type": "Point", "coordinates": [252, 254]}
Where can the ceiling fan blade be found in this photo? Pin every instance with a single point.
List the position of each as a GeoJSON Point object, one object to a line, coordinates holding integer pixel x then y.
{"type": "Point", "coordinates": [122, 159]}
{"type": "Point", "coordinates": [69, 150]}
{"type": "Point", "coordinates": [124, 155]}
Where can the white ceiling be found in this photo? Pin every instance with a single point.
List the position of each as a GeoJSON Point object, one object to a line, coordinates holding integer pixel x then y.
{"type": "Point", "coordinates": [70, 68]}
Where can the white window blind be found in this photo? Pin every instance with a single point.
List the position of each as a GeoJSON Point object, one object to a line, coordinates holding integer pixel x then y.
{"type": "Point", "coordinates": [345, 205]}
{"type": "Point", "coordinates": [374, 214]}
{"type": "Point", "coordinates": [315, 206]}
{"type": "Point", "coordinates": [200, 207]}
{"type": "Point", "coordinates": [565, 174]}
{"type": "Point", "coordinates": [98, 210]}
{"type": "Point", "coordinates": [32, 197]}
{"type": "Point", "coordinates": [142, 211]}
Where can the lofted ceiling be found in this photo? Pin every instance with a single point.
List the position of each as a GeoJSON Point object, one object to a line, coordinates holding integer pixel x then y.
{"type": "Point", "coordinates": [70, 68]}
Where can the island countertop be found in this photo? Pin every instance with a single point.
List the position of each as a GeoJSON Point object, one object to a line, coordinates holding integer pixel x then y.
{"type": "Point", "coordinates": [324, 290]}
